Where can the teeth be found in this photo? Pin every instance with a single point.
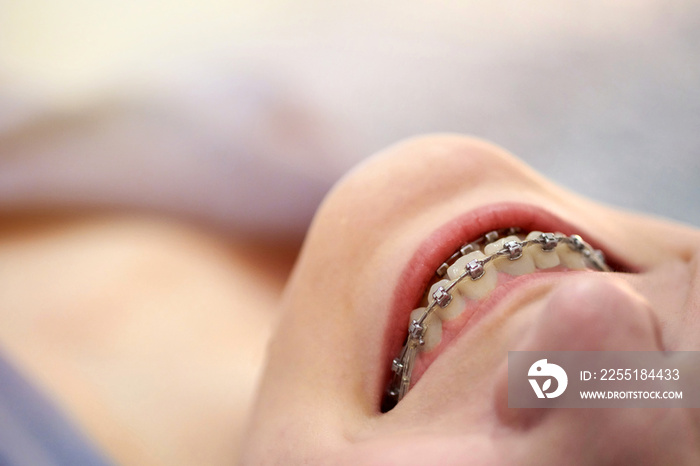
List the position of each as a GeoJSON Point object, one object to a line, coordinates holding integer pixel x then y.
{"type": "Point", "coordinates": [543, 254]}
{"type": "Point", "coordinates": [533, 257]}
{"type": "Point", "coordinates": [543, 259]}
{"type": "Point", "coordinates": [569, 258]}
{"type": "Point", "coordinates": [525, 264]}
{"type": "Point", "coordinates": [442, 283]}
{"type": "Point", "coordinates": [433, 332]}
{"type": "Point", "coordinates": [473, 289]}
{"type": "Point", "coordinates": [456, 306]}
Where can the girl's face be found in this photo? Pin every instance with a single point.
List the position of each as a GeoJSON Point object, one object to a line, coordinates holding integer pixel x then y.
{"type": "Point", "coordinates": [370, 255]}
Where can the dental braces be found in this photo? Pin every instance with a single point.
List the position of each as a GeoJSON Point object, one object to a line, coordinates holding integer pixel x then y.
{"type": "Point", "coordinates": [402, 365]}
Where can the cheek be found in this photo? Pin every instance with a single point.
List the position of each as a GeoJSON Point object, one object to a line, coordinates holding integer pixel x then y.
{"type": "Point", "coordinates": [669, 288]}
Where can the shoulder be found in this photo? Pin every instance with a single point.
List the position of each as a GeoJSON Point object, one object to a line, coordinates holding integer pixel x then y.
{"type": "Point", "coordinates": [139, 315]}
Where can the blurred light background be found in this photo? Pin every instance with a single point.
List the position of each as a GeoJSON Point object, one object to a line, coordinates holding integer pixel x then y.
{"type": "Point", "coordinates": [243, 113]}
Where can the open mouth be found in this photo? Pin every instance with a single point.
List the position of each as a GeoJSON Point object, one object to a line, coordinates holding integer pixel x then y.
{"type": "Point", "coordinates": [465, 282]}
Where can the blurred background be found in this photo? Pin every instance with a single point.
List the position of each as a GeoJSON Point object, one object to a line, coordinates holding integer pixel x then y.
{"type": "Point", "coordinates": [243, 114]}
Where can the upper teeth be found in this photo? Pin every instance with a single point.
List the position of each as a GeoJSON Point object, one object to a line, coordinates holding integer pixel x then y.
{"type": "Point", "coordinates": [471, 275]}
{"type": "Point", "coordinates": [475, 274]}
{"type": "Point", "coordinates": [517, 266]}
{"type": "Point", "coordinates": [469, 289]}
{"type": "Point", "coordinates": [542, 260]}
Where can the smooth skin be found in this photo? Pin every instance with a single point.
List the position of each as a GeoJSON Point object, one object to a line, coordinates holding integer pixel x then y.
{"type": "Point", "coordinates": [320, 394]}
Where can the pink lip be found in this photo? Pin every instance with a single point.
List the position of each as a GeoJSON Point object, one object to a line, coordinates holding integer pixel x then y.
{"type": "Point", "coordinates": [441, 244]}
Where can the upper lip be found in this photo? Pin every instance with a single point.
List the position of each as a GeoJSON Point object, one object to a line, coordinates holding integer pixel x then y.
{"type": "Point", "coordinates": [446, 239]}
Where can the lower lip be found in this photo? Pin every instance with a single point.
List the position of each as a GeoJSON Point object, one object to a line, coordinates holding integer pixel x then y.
{"type": "Point", "coordinates": [510, 288]}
